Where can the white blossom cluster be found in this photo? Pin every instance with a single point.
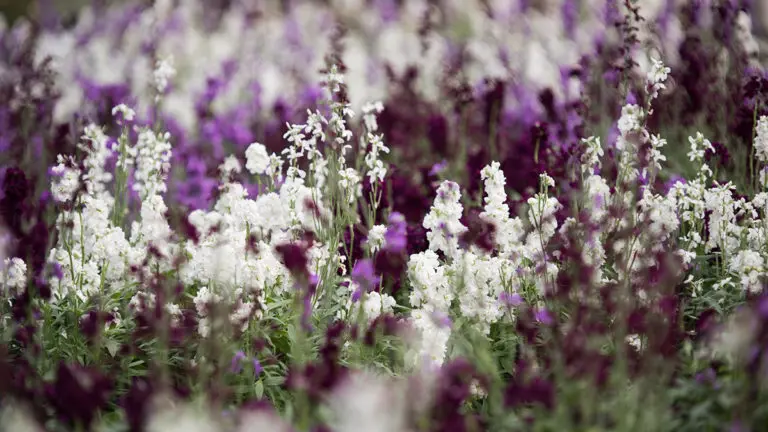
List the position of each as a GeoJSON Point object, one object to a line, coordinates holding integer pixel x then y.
{"type": "Point", "coordinates": [153, 156]}
{"type": "Point", "coordinates": [761, 139]}
{"type": "Point", "coordinates": [66, 179]}
{"type": "Point", "coordinates": [90, 250]}
{"type": "Point", "coordinates": [443, 220]}
{"type": "Point", "coordinates": [13, 276]}
{"type": "Point", "coordinates": [693, 218]}
{"type": "Point", "coordinates": [232, 260]}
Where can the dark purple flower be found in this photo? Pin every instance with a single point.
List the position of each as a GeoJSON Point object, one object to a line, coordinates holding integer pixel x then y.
{"type": "Point", "coordinates": [294, 258]}
{"type": "Point", "coordinates": [136, 402]}
{"type": "Point", "coordinates": [78, 394]}
{"type": "Point", "coordinates": [537, 390]}
{"type": "Point", "coordinates": [92, 323]}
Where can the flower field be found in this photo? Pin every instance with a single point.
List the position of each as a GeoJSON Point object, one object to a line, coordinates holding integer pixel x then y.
{"type": "Point", "coordinates": [385, 216]}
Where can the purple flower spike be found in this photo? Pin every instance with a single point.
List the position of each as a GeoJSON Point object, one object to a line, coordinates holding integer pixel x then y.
{"type": "Point", "coordinates": [236, 367]}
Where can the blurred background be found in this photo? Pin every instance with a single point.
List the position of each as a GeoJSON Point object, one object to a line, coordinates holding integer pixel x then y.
{"type": "Point", "coordinates": [11, 10]}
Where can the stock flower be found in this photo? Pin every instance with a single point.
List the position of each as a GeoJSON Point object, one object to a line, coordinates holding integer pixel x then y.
{"type": "Point", "coordinates": [67, 180]}
{"type": "Point", "coordinates": [761, 139]}
{"type": "Point", "coordinates": [443, 221]}
{"type": "Point", "coordinates": [257, 159]}
{"type": "Point", "coordinates": [14, 275]}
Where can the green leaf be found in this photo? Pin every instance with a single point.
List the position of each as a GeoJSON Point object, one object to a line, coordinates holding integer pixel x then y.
{"type": "Point", "coordinates": [112, 346]}
{"type": "Point", "coordinates": [259, 389]}
{"type": "Point", "coordinates": [274, 380]}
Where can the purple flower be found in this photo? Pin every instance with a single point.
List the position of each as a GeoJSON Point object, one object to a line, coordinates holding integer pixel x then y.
{"type": "Point", "coordinates": [257, 368]}
{"type": "Point", "coordinates": [237, 366]}
{"type": "Point", "coordinates": [396, 236]}
{"type": "Point", "coordinates": [543, 316]}
{"type": "Point", "coordinates": [57, 272]}
{"type": "Point", "coordinates": [294, 258]}
{"type": "Point", "coordinates": [363, 274]}
{"type": "Point", "coordinates": [442, 319]}
{"type": "Point", "coordinates": [510, 300]}
{"type": "Point", "coordinates": [438, 167]}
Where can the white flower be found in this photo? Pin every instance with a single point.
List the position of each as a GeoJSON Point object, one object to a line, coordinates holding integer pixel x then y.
{"type": "Point", "coordinates": [699, 146]}
{"type": "Point", "coordinates": [482, 285]}
{"type": "Point", "coordinates": [546, 180]}
{"type": "Point", "coordinates": [184, 418]}
{"type": "Point", "coordinates": [658, 72]}
{"type": "Point", "coordinates": [655, 156]}
{"type": "Point", "coordinates": [128, 113]}
{"type": "Point", "coordinates": [432, 341]}
{"type": "Point", "coordinates": [634, 341]}
{"type": "Point", "coordinates": [349, 182]}
{"type": "Point", "coordinates": [656, 77]}
{"type": "Point", "coordinates": [230, 166]}
{"type": "Point", "coordinates": [376, 237]}
{"type": "Point", "coordinates": [257, 159]}
{"type": "Point", "coordinates": [761, 139]}
{"type": "Point", "coordinates": [275, 167]}
{"type": "Point", "coordinates": [369, 115]}
{"type": "Point", "coordinates": [750, 266]}
{"type": "Point", "coordinates": [431, 289]}
{"type": "Point", "coordinates": [153, 162]}
{"type": "Point", "coordinates": [376, 167]}
{"type": "Point", "coordinates": [593, 151]}
{"type": "Point", "coordinates": [97, 153]}
{"type": "Point", "coordinates": [443, 220]}
{"type": "Point", "coordinates": [14, 275]}
{"type": "Point", "coordinates": [163, 72]}
{"type": "Point", "coordinates": [630, 120]}
{"type": "Point", "coordinates": [376, 304]}
{"type": "Point", "coordinates": [358, 400]}
{"type": "Point", "coordinates": [66, 179]}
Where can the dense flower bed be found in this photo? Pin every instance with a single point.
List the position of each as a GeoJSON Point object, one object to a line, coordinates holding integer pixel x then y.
{"type": "Point", "coordinates": [426, 217]}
